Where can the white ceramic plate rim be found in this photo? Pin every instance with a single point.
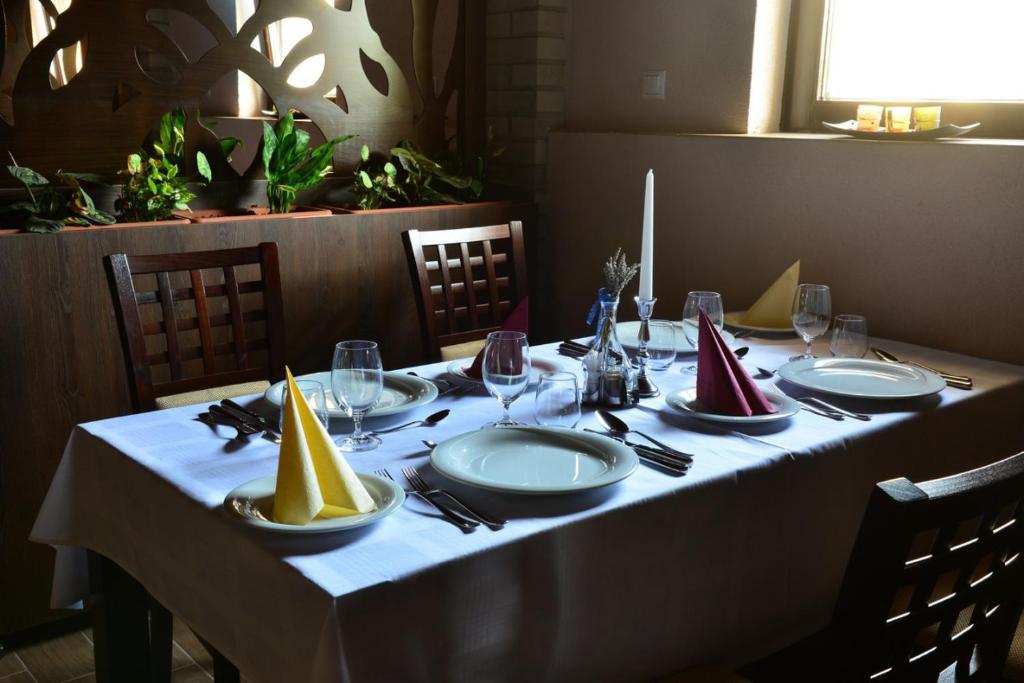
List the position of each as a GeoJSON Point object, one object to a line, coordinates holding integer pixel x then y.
{"type": "Point", "coordinates": [625, 462]}
{"type": "Point", "coordinates": [455, 369]}
{"type": "Point", "coordinates": [732, 319]}
{"type": "Point", "coordinates": [428, 392]}
{"type": "Point", "coordinates": [629, 341]}
{"type": "Point", "coordinates": [796, 372]}
{"type": "Point", "coordinates": [786, 406]}
{"type": "Point", "coordinates": [264, 486]}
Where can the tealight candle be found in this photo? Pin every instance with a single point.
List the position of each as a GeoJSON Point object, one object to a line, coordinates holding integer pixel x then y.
{"type": "Point", "coordinates": [869, 117]}
{"type": "Point", "coordinates": [927, 118]}
{"type": "Point", "coordinates": [897, 119]}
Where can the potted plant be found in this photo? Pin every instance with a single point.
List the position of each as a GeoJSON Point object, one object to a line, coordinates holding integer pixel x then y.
{"type": "Point", "coordinates": [290, 166]}
{"type": "Point", "coordinates": [48, 210]}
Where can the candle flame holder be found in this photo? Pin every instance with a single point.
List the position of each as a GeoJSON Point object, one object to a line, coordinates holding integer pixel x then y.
{"type": "Point", "coordinates": [646, 387]}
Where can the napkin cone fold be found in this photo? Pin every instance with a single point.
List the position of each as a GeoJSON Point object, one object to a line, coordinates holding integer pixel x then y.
{"type": "Point", "coordinates": [313, 478]}
{"type": "Point", "coordinates": [723, 385]}
{"type": "Point", "coordinates": [774, 308]}
{"type": "Point", "coordinates": [517, 321]}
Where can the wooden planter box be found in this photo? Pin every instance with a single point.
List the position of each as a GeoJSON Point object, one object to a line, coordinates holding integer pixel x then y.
{"type": "Point", "coordinates": [91, 228]}
{"type": "Point", "coordinates": [253, 214]}
{"type": "Point", "coordinates": [417, 209]}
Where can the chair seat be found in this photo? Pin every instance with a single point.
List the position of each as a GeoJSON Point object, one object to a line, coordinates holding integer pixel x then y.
{"type": "Point", "coordinates": [464, 350]}
{"type": "Point", "coordinates": [211, 395]}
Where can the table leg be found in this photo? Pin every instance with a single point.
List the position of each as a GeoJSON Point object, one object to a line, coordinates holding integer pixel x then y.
{"type": "Point", "coordinates": [120, 623]}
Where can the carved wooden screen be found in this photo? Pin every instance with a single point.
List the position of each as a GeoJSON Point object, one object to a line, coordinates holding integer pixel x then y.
{"type": "Point", "coordinates": [399, 69]}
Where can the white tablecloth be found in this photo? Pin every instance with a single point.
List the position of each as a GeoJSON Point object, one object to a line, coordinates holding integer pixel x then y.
{"type": "Point", "coordinates": [742, 555]}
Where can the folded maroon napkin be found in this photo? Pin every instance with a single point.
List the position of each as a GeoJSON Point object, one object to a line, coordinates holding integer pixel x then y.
{"type": "Point", "coordinates": [723, 386]}
{"type": "Point", "coordinates": [517, 321]}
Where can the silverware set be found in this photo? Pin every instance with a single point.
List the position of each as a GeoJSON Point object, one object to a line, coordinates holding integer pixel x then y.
{"type": "Point", "coordinates": [454, 509]}
{"type": "Point", "coordinates": [661, 455]}
{"type": "Point", "coordinates": [813, 404]}
{"type": "Point", "coordinates": [244, 421]}
{"type": "Point", "coordinates": [956, 381]}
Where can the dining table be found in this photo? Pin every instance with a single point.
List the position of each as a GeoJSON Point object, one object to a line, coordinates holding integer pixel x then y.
{"type": "Point", "coordinates": [740, 556]}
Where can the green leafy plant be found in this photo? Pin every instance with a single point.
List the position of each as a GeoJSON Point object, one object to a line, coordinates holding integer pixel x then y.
{"type": "Point", "coordinates": [49, 210]}
{"type": "Point", "coordinates": [290, 165]}
{"type": "Point", "coordinates": [155, 187]}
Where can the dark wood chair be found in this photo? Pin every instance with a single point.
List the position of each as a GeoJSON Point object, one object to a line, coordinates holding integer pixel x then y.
{"type": "Point", "coordinates": [933, 590]}
{"type": "Point", "coordinates": [213, 341]}
{"type": "Point", "coordinates": [467, 281]}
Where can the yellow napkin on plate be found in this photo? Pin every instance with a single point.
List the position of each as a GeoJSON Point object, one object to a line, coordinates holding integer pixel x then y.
{"type": "Point", "coordinates": [775, 307]}
{"type": "Point", "coordinates": [313, 478]}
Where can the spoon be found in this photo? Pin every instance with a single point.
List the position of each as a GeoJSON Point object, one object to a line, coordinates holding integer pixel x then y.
{"type": "Point", "coordinates": [742, 351]}
{"type": "Point", "coordinates": [615, 424]}
{"type": "Point", "coordinates": [428, 421]}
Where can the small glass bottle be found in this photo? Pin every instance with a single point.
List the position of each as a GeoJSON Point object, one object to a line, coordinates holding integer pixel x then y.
{"type": "Point", "coordinates": [610, 379]}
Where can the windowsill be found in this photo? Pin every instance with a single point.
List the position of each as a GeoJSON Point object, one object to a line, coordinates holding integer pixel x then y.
{"type": "Point", "coordinates": [811, 137]}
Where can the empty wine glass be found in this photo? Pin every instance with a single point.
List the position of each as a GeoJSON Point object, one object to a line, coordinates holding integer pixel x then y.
{"type": "Point", "coordinates": [849, 336]}
{"type": "Point", "coordinates": [661, 349]}
{"type": "Point", "coordinates": [313, 392]}
{"type": "Point", "coordinates": [506, 370]}
{"type": "Point", "coordinates": [357, 381]}
{"type": "Point", "coordinates": [558, 400]}
{"type": "Point", "coordinates": [711, 304]}
{"type": "Point", "coordinates": [812, 310]}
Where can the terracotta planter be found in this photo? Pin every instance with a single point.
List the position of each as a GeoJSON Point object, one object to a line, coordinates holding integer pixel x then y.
{"type": "Point", "coordinates": [79, 228]}
{"type": "Point", "coordinates": [423, 207]}
{"type": "Point", "coordinates": [256, 213]}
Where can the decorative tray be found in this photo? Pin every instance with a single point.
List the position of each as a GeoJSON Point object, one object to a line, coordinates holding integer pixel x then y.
{"type": "Point", "coordinates": [948, 131]}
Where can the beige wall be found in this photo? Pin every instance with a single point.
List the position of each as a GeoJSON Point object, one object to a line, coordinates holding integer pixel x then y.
{"type": "Point", "coordinates": [925, 239]}
{"type": "Point", "coordinates": [704, 45]}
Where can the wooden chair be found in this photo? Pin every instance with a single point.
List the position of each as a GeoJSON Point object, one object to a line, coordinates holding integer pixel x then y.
{"type": "Point", "coordinates": [206, 307]}
{"type": "Point", "coordinates": [933, 590]}
{"type": "Point", "coordinates": [468, 280]}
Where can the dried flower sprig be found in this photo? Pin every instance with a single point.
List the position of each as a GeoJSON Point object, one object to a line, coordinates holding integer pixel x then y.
{"type": "Point", "coordinates": [618, 273]}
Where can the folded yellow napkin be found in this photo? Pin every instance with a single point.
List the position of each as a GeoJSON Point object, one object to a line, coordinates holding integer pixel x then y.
{"type": "Point", "coordinates": [775, 307]}
{"type": "Point", "coordinates": [313, 478]}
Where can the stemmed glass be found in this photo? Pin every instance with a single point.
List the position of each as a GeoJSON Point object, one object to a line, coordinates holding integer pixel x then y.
{"type": "Point", "coordinates": [357, 380]}
{"type": "Point", "coordinates": [812, 310]}
{"type": "Point", "coordinates": [711, 304]}
{"type": "Point", "coordinates": [506, 370]}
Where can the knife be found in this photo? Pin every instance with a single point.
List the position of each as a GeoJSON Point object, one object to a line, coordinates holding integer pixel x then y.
{"type": "Point", "coordinates": [249, 418]}
{"type": "Point", "coordinates": [957, 381]}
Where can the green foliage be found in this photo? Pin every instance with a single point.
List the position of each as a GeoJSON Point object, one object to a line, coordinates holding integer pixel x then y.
{"type": "Point", "coordinates": [155, 187]}
{"type": "Point", "coordinates": [413, 178]}
{"type": "Point", "coordinates": [49, 210]}
{"type": "Point", "coordinates": [290, 165]}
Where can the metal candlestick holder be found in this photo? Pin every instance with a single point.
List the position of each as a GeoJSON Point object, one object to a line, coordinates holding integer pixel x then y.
{"type": "Point", "coordinates": [644, 308]}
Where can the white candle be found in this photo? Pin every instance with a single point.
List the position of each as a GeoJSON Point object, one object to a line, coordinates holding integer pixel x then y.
{"type": "Point", "coordinates": [647, 245]}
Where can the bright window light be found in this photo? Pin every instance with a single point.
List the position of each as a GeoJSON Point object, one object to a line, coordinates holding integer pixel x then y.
{"type": "Point", "coordinates": [914, 51]}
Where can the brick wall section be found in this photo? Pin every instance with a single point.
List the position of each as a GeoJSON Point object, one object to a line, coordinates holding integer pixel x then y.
{"type": "Point", "coordinates": [526, 55]}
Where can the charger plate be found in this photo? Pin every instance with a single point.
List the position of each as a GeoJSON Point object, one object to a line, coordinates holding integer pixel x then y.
{"type": "Point", "coordinates": [534, 460]}
{"type": "Point", "coordinates": [388, 496]}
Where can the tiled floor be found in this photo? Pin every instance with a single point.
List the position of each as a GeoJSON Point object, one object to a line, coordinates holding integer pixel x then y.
{"type": "Point", "coordinates": [69, 658]}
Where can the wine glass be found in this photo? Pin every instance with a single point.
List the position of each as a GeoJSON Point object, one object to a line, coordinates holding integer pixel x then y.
{"type": "Point", "coordinates": [313, 392]}
{"type": "Point", "coordinates": [506, 370]}
{"type": "Point", "coordinates": [357, 381]}
{"type": "Point", "coordinates": [661, 349]}
{"type": "Point", "coordinates": [711, 304]}
{"type": "Point", "coordinates": [812, 310]}
{"type": "Point", "coordinates": [849, 336]}
{"type": "Point", "coordinates": [558, 400]}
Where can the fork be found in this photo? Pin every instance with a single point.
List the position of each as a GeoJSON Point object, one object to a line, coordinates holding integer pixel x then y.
{"type": "Point", "coordinates": [467, 525]}
{"type": "Point", "coordinates": [420, 486]}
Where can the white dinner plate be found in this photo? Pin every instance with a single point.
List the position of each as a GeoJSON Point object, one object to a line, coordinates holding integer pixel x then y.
{"type": "Point", "coordinates": [861, 378]}
{"type": "Point", "coordinates": [388, 496]}
{"type": "Point", "coordinates": [734, 318]}
{"type": "Point", "coordinates": [538, 460]}
{"type": "Point", "coordinates": [685, 401]}
{"type": "Point", "coordinates": [538, 366]}
{"type": "Point", "coordinates": [402, 392]}
{"type": "Point", "coordinates": [629, 332]}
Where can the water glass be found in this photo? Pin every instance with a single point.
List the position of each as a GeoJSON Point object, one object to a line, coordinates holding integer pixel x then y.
{"type": "Point", "coordinates": [711, 304]}
{"type": "Point", "coordinates": [812, 311]}
{"type": "Point", "coordinates": [313, 392]}
{"type": "Point", "coordinates": [661, 349]}
{"type": "Point", "coordinates": [849, 336]}
{"type": "Point", "coordinates": [357, 381]}
{"type": "Point", "coordinates": [558, 400]}
{"type": "Point", "coordinates": [506, 370]}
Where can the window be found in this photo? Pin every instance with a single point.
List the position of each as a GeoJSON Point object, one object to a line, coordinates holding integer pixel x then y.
{"type": "Point", "coordinates": [964, 56]}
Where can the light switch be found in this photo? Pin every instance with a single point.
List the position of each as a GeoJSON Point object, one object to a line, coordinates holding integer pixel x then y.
{"type": "Point", "coordinates": [653, 86]}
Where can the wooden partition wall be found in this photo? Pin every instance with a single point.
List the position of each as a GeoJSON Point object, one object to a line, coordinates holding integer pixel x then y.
{"type": "Point", "coordinates": [60, 355]}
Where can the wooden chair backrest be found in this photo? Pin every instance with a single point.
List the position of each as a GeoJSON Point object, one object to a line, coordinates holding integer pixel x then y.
{"type": "Point", "coordinates": [209, 302]}
{"type": "Point", "coordinates": [467, 281]}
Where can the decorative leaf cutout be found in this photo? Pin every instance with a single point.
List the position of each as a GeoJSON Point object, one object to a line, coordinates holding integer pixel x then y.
{"type": "Point", "coordinates": [308, 72]}
{"type": "Point", "coordinates": [66, 64]}
{"type": "Point", "coordinates": [157, 67]}
{"type": "Point", "coordinates": [183, 30]}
